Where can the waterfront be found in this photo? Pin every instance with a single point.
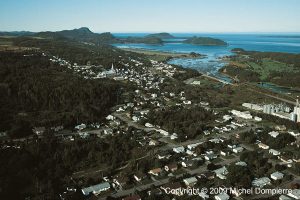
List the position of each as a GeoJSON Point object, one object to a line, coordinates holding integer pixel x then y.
{"type": "Point", "coordinates": [212, 62]}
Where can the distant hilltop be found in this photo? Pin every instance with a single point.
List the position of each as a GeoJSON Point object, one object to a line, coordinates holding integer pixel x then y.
{"type": "Point", "coordinates": [208, 41]}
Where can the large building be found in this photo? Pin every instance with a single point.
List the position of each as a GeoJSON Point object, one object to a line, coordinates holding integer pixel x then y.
{"type": "Point", "coordinates": [297, 112]}
{"type": "Point", "coordinates": [283, 111]}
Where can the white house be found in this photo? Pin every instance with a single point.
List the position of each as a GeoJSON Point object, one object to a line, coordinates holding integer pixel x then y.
{"type": "Point", "coordinates": [244, 115]}
{"type": "Point", "coordinates": [227, 118]}
{"type": "Point", "coordinates": [273, 134]}
{"type": "Point", "coordinates": [258, 119]}
{"type": "Point", "coordinates": [163, 132]}
{"type": "Point", "coordinates": [222, 196]}
{"type": "Point", "coordinates": [263, 146]}
{"type": "Point", "coordinates": [174, 136]}
{"type": "Point", "coordinates": [80, 126]}
{"type": "Point", "coordinates": [284, 197]}
{"type": "Point", "coordinates": [261, 182]}
{"type": "Point", "coordinates": [295, 134]}
{"type": "Point", "coordinates": [179, 149]}
{"type": "Point", "coordinates": [237, 150]}
{"type": "Point", "coordinates": [221, 172]}
{"type": "Point", "coordinates": [274, 152]}
{"type": "Point", "coordinates": [110, 117]}
{"type": "Point", "coordinates": [192, 146]}
{"type": "Point", "coordinates": [295, 194]}
{"type": "Point", "coordinates": [277, 176]}
{"type": "Point", "coordinates": [96, 189]}
{"type": "Point", "coordinates": [190, 181]}
{"type": "Point", "coordinates": [241, 163]}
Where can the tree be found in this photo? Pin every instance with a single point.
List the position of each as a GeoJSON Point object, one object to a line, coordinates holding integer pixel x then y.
{"type": "Point", "coordinates": [239, 176]}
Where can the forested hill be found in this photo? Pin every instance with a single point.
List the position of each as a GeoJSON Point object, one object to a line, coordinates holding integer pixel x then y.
{"type": "Point", "coordinates": [81, 34]}
{"type": "Point", "coordinates": [208, 41]}
{"type": "Point", "coordinates": [37, 92]}
{"type": "Point", "coordinates": [80, 53]}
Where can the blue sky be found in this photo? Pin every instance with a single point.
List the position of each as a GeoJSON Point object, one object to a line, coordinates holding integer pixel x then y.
{"type": "Point", "coordinates": [152, 15]}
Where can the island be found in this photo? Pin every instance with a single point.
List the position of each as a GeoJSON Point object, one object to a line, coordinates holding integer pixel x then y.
{"type": "Point", "coordinates": [207, 41]}
{"type": "Point", "coordinates": [161, 35]}
{"type": "Point", "coordinates": [145, 40]}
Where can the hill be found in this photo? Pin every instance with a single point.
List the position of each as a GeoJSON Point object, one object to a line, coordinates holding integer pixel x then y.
{"type": "Point", "coordinates": [161, 35]}
{"type": "Point", "coordinates": [16, 33]}
{"type": "Point", "coordinates": [207, 41]}
{"type": "Point", "coordinates": [82, 34]}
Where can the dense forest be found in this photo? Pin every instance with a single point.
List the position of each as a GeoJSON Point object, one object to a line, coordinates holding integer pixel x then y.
{"type": "Point", "coordinates": [42, 169]}
{"type": "Point", "coordinates": [187, 123]}
{"type": "Point", "coordinates": [37, 92]}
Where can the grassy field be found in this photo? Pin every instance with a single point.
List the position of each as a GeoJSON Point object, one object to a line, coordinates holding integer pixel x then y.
{"type": "Point", "coordinates": [160, 55]}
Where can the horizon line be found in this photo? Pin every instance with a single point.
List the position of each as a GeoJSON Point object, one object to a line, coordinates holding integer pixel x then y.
{"type": "Point", "coordinates": [174, 32]}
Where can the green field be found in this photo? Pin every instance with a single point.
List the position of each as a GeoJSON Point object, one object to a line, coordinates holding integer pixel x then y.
{"type": "Point", "coordinates": [268, 66]}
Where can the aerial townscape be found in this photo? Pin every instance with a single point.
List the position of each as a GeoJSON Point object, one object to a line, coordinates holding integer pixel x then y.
{"type": "Point", "coordinates": [200, 113]}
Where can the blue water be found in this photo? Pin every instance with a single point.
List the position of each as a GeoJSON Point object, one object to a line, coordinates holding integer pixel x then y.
{"type": "Point", "coordinates": [211, 63]}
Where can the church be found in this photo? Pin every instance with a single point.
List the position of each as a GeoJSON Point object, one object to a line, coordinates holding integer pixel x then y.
{"type": "Point", "coordinates": [109, 73]}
